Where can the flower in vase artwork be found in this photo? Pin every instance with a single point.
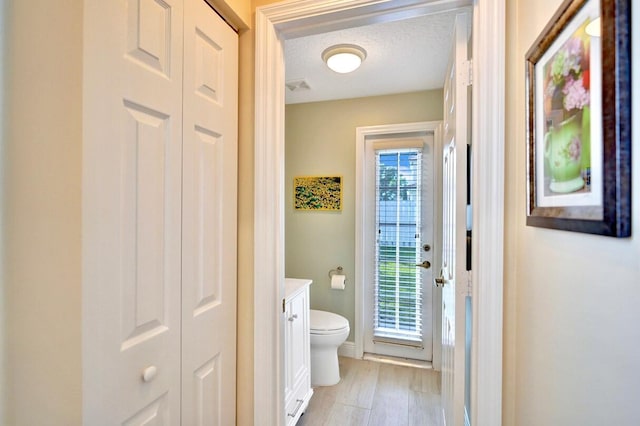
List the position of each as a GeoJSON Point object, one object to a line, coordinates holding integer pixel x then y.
{"type": "Point", "coordinates": [567, 115]}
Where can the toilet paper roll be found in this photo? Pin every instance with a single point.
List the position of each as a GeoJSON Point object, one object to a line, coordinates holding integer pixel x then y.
{"type": "Point", "coordinates": [337, 282]}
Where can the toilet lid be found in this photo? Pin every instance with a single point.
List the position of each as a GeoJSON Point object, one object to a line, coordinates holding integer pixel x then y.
{"type": "Point", "coordinates": [326, 321]}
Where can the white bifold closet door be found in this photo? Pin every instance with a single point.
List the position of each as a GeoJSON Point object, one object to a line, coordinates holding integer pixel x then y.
{"type": "Point", "coordinates": [159, 213]}
{"type": "Point", "coordinates": [209, 218]}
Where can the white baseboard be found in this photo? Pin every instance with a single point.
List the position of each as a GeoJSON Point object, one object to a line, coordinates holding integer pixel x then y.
{"type": "Point", "coordinates": [347, 349]}
{"type": "Point", "coordinates": [406, 362]}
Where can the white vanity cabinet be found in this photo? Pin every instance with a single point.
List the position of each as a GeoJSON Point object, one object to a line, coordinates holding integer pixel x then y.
{"type": "Point", "coordinates": [297, 392]}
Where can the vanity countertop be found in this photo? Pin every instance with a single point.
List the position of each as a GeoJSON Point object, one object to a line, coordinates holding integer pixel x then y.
{"type": "Point", "coordinates": [294, 285]}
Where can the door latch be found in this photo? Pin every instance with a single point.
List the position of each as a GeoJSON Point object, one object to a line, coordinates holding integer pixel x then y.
{"type": "Point", "coordinates": [440, 281]}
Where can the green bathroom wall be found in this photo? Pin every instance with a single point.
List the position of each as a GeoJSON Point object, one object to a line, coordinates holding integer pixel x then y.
{"type": "Point", "coordinates": [320, 141]}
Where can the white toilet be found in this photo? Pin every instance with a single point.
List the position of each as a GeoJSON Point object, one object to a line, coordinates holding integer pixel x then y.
{"type": "Point", "coordinates": [328, 331]}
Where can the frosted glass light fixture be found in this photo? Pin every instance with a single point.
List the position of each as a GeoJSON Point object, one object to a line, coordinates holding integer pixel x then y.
{"type": "Point", "coordinates": [344, 58]}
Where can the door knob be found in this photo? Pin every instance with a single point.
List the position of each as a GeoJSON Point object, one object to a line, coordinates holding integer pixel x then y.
{"type": "Point", "coordinates": [426, 264]}
{"type": "Point", "coordinates": [149, 373]}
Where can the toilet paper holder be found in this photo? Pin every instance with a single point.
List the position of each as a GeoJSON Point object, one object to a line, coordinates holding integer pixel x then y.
{"type": "Point", "coordinates": [333, 272]}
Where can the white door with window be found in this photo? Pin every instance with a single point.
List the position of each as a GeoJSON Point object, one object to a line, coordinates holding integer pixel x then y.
{"type": "Point", "coordinates": [399, 245]}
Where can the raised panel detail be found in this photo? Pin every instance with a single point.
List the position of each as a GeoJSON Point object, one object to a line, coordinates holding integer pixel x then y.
{"type": "Point", "coordinates": [207, 382]}
{"type": "Point", "coordinates": [154, 414]}
{"type": "Point", "coordinates": [209, 68]}
{"type": "Point", "coordinates": [209, 215]}
{"type": "Point", "coordinates": [144, 197]}
{"type": "Point", "coordinates": [149, 34]}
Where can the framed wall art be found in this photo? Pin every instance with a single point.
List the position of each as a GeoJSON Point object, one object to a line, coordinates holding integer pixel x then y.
{"type": "Point", "coordinates": [578, 91]}
{"type": "Point", "coordinates": [317, 193]}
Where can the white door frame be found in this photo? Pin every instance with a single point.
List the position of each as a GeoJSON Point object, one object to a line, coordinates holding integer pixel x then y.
{"type": "Point", "coordinates": [362, 133]}
{"type": "Point", "coordinates": [275, 23]}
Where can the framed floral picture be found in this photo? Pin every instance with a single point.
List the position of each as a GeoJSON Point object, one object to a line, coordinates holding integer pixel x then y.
{"type": "Point", "coordinates": [578, 120]}
{"type": "Point", "coordinates": [317, 193]}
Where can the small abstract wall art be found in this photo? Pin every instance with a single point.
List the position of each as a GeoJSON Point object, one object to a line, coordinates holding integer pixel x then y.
{"type": "Point", "coordinates": [317, 193]}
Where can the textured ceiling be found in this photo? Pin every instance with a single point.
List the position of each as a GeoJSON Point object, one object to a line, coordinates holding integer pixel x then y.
{"type": "Point", "coordinates": [402, 56]}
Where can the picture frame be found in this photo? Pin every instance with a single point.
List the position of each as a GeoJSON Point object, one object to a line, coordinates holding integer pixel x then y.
{"type": "Point", "coordinates": [317, 193]}
{"type": "Point", "coordinates": [578, 111]}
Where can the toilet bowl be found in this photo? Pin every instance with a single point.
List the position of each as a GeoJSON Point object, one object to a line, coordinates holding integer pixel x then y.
{"type": "Point", "coordinates": [328, 332]}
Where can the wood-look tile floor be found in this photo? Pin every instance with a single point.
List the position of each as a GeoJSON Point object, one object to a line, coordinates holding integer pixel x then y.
{"type": "Point", "coordinates": [373, 393]}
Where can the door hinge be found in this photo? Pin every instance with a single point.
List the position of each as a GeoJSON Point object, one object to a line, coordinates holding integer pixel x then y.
{"type": "Point", "coordinates": [469, 285]}
{"type": "Point", "coordinates": [283, 304]}
{"type": "Point", "coordinates": [466, 72]}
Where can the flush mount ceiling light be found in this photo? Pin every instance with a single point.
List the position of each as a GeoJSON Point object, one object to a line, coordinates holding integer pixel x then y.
{"type": "Point", "coordinates": [344, 58]}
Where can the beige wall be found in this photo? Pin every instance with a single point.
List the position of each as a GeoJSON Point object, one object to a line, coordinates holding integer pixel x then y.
{"type": "Point", "coordinates": [237, 12]}
{"type": "Point", "coordinates": [245, 230]}
{"type": "Point", "coordinates": [320, 140]}
{"type": "Point", "coordinates": [41, 207]}
{"type": "Point", "coordinates": [571, 300]}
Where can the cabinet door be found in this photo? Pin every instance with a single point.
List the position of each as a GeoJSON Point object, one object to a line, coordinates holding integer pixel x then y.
{"type": "Point", "coordinates": [132, 154]}
{"type": "Point", "coordinates": [289, 349]}
{"type": "Point", "coordinates": [297, 354]}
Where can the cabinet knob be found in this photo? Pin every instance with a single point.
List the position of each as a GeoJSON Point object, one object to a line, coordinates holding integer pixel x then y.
{"type": "Point", "coordinates": [293, 317]}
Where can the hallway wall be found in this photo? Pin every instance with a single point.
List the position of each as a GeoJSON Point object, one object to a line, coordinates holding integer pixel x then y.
{"type": "Point", "coordinates": [571, 300]}
{"type": "Point", "coordinates": [320, 141]}
{"type": "Point", "coordinates": [41, 203]}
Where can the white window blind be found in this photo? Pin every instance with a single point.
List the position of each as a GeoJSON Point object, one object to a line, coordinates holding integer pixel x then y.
{"type": "Point", "coordinates": [398, 284]}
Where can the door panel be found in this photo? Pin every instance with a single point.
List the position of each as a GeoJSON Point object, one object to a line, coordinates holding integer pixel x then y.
{"type": "Point", "coordinates": [209, 218]}
{"type": "Point", "coordinates": [144, 305]}
{"type": "Point", "coordinates": [131, 212]}
{"type": "Point", "coordinates": [453, 275]}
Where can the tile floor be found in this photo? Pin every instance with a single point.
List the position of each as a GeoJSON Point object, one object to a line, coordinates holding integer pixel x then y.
{"type": "Point", "coordinates": [373, 393]}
